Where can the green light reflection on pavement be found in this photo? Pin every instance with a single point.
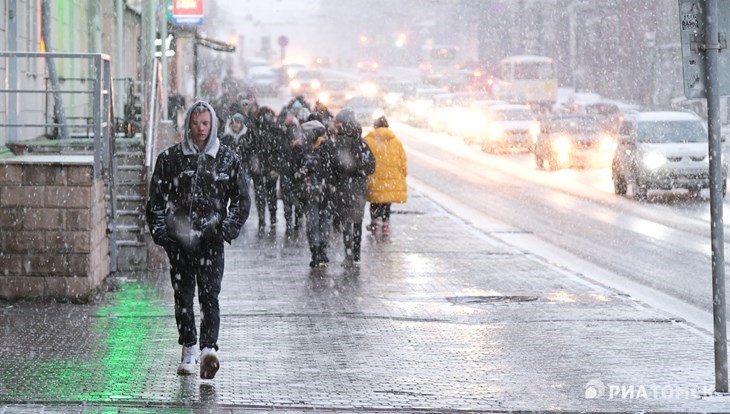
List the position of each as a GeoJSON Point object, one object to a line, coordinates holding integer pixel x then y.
{"type": "Point", "coordinates": [110, 363]}
{"type": "Point", "coordinates": [128, 325]}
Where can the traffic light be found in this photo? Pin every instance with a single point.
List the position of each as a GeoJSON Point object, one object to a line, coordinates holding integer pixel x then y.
{"type": "Point", "coordinates": [402, 39]}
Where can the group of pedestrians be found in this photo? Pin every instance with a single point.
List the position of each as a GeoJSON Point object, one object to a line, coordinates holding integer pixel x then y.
{"type": "Point", "coordinates": [323, 168]}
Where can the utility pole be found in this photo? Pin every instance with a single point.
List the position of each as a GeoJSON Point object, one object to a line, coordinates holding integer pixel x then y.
{"type": "Point", "coordinates": [705, 75]}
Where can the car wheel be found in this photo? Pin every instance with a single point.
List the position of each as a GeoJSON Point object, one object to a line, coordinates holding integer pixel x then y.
{"type": "Point", "coordinates": [553, 163]}
{"type": "Point", "coordinates": [640, 190]}
{"type": "Point", "coordinates": [619, 185]}
{"type": "Point", "coordinates": [695, 192]}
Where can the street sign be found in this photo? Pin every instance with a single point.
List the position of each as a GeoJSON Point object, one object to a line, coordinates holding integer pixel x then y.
{"type": "Point", "coordinates": [692, 32]}
{"type": "Point", "coordinates": [283, 41]}
{"type": "Point", "coordinates": [187, 12]}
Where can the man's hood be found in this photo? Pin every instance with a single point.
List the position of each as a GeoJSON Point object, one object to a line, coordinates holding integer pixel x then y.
{"type": "Point", "coordinates": [213, 144]}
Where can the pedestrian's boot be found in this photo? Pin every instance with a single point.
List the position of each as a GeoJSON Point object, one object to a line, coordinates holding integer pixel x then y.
{"type": "Point", "coordinates": [386, 228]}
{"type": "Point", "coordinates": [373, 227]}
{"type": "Point", "coordinates": [314, 250]}
{"type": "Point", "coordinates": [209, 363]}
{"type": "Point", "coordinates": [349, 261]}
{"type": "Point", "coordinates": [187, 360]}
{"type": "Point", "coordinates": [323, 254]}
{"type": "Point", "coordinates": [262, 228]}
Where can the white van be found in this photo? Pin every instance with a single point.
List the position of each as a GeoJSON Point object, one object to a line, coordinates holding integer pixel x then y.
{"type": "Point", "coordinates": [662, 150]}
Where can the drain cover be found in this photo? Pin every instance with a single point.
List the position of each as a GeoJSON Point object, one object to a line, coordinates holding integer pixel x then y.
{"type": "Point", "coordinates": [470, 300]}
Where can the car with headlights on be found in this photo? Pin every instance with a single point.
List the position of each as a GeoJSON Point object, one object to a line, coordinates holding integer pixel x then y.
{"type": "Point", "coordinates": [306, 82]}
{"type": "Point", "coordinates": [366, 108]}
{"type": "Point", "coordinates": [575, 140]}
{"type": "Point", "coordinates": [662, 150]}
{"type": "Point", "coordinates": [263, 80]}
{"type": "Point", "coordinates": [419, 105]}
{"type": "Point", "coordinates": [508, 127]}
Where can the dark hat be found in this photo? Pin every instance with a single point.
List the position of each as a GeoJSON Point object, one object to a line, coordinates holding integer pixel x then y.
{"type": "Point", "coordinates": [346, 115]}
{"type": "Point", "coordinates": [237, 117]}
{"type": "Point", "coordinates": [380, 123]}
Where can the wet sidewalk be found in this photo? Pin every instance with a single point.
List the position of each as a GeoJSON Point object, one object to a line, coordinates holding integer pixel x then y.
{"type": "Point", "coordinates": [440, 317]}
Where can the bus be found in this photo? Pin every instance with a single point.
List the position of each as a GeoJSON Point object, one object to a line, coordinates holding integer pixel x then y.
{"type": "Point", "coordinates": [527, 79]}
{"type": "Point", "coordinates": [438, 63]}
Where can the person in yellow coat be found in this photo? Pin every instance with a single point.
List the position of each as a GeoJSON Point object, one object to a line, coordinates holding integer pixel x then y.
{"type": "Point", "coordinates": [387, 184]}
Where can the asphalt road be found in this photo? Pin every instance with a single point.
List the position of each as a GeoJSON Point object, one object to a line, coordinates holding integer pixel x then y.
{"type": "Point", "coordinates": [662, 244]}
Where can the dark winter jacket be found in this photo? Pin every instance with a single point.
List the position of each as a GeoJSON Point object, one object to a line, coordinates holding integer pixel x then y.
{"type": "Point", "coordinates": [351, 162]}
{"type": "Point", "coordinates": [195, 197]}
{"type": "Point", "coordinates": [312, 170]}
{"type": "Point", "coordinates": [265, 141]}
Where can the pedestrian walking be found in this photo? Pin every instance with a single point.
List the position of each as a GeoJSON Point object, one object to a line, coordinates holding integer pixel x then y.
{"type": "Point", "coordinates": [290, 132]}
{"type": "Point", "coordinates": [312, 174]}
{"type": "Point", "coordinates": [264, 165]}
{"type": "Point", "coordinates": [387, 184]}
{"type": "Point", "coordinates": [198, 200]}
{"type": "Point", "coordinates": [234, 132]}
{"type": "Point", "coordinates": [237, 137]}
{"type": "Point", "coordinates": [352, 162]}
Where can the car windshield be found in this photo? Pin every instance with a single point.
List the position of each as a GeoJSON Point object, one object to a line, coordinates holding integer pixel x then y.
{"type": "Point", "coordinates": [307, 74]}
{"type": "Point", "coordinates": [575, 125]}
{"type": "Point", "coordinates": [513, 115]}
{"type": "Point", "coordinates": [361, 102]}
{"type": "Point", "coordinates": [671, 131]}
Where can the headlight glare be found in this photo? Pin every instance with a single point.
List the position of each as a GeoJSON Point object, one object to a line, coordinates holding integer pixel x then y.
{"type": "Point", "coordinates": [653, 160]}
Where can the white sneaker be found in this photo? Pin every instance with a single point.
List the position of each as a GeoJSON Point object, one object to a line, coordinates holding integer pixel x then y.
{"type": "Point", "coordinates": [188, 360]}
{"type": "Point", "coordinates": [209, 363]}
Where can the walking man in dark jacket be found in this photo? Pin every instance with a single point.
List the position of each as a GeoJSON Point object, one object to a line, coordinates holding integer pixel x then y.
{"type": "Point", "coordinates": [351, 162]}
{"type": "Point", "coordinates": [198, 199]}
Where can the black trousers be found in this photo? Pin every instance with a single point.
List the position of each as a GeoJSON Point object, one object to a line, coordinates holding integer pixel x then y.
{"type": "Point", "coordinates": [265, 195]}
{"type": "Point", "coordinates": [380, 211]}
{"type": "Point", "coordinates": [204, 268]}
{"type": "Point", "coordinates": [352, 238]}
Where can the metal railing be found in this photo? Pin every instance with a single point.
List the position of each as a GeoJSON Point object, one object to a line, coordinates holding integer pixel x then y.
{"type": "Point", "coordinates": [99, 103]}
{"type": "Point", "coordinates": [99, 94]}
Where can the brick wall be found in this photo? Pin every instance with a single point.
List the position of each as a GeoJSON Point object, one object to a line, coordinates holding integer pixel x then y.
{"type": "Point", "coordinates": [53, 241]}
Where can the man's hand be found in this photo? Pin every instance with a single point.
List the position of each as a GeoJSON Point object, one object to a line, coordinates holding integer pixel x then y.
{"type": "Point", "coordinates": [209, 226]}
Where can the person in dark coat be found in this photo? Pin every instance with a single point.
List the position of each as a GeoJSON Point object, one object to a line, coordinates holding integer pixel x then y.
{"type": "Point", "coordinates": [264, 164]}
{"type": "Point", "coordinates": [234, 132]}
{"type": "Point", "coordinates": [290, 133]}
{"type": "Point", "coordinates": [313, 172]}
{"type": "Point", "coordinates": [198, 199]}
{"type": "Point", "coordinates": [351, 162]}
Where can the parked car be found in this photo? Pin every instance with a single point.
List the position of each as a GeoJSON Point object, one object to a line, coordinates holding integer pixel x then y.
{"type": "Point", "coordinates": [662, 150]}
{"type": "Point", "coordinates": [509, 127]}
{"type": "Point", "coordinates": [263, 80]}
{"type": "Point", "coordinates": [577, 140]}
